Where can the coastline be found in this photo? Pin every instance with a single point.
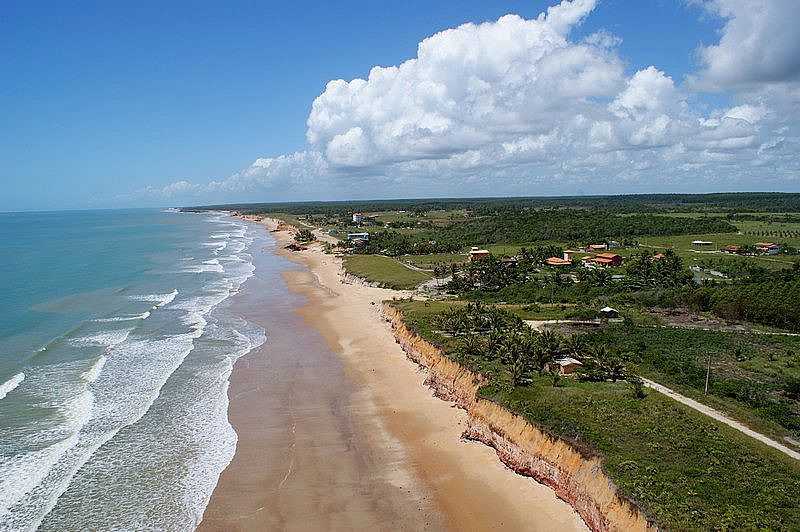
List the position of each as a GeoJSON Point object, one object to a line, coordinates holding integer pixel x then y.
{"type": "Point", "coordinates": [409, 438]}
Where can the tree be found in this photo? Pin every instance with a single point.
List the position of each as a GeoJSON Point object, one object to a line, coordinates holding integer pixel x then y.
{"type": "Point", "coordinates": [517, 353]}
{"type": "Point", "coordinates": [304, 235]}
{"type": "Point", "coordinates": [637, 386]}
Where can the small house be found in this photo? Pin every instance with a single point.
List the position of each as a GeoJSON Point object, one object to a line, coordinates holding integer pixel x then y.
{"type": "Point", "coordinates": [607, 260]}
{"type": "Point", "coordinates": [358, 217]}
{"type": "Point", "coordinates": [702, 244]}
{"type": "Point", "coordinates": [598, 247]}
{"type": "Point", "coordinates": [565, 365]}
{"type": "Point", "coordinates": [358, 238]}
{"type": "Point", "coordinates": [659, 256]}
{"type": "Point", "coordinates": [608, 313]}
{"type": "Point", "coordinates": [569, 254]}
{"type": "Point", "coordinates": [557, 261]}
{"type": "Point", "coordinates": [768, 248]}
{"type": "Point", "coordinates": [478, 254]}
{"type": "Point", "coordinates": [733, 249]}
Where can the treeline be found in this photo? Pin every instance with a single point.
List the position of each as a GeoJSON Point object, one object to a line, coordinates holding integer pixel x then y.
{"type": "Point", "coordinates": [633, 203]}
{"type": "Point", "coordinates": [573, 226]}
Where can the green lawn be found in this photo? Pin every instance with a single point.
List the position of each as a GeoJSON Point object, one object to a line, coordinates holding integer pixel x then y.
{"type": "Point", "coordinates": [428, 262]}
{"type": "Point", "coordinates": [684, 469]}
{"type": "Point", "coordinates": [384, 270]}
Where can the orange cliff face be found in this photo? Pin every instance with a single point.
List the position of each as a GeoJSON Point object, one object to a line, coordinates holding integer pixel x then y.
{"type": "Point", "coordinates": [576, 479]}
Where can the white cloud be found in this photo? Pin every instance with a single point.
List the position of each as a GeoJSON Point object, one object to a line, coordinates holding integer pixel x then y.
{"type": "Point", "coordinates": [759, 44]}
{"type": "Point", "coordinates": [515, 104]}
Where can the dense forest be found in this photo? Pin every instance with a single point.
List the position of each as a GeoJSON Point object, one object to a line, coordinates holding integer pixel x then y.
{"type": "Point", "coordinates": [767, 202]}
{"type": "Point", "coordinates": [573, 226]}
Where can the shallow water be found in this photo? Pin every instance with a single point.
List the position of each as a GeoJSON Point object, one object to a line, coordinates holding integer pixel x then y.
{"type": "Point", "coordinates": [116, 345]}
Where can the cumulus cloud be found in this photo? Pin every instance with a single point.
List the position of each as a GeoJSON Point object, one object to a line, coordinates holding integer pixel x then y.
{"type": "Point", "coordinates": [760, 43]}
{"type": "Point", "coordinates": [514, 104]}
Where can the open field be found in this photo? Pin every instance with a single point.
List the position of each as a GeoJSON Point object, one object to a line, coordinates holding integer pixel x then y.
{"type": "Point", "coordinates": [684, 469]}
{"type": "Point", "coordinates": [431, 260]}
{"type": "Point", "coordinates": [385, 271]}
{"type": "Point", "coordinates": [749, 372]}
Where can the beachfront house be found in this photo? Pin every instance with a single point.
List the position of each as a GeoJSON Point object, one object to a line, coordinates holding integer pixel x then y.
{"type": "Point", "coordinates": [478, 254]}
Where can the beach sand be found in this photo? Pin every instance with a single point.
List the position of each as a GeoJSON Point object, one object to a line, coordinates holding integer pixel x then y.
{"type": "Point", "coordinates": [338, 432]}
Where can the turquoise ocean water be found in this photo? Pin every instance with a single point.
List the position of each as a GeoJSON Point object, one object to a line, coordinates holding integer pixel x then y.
{"type": "Point", "coordinates": [116, 344]}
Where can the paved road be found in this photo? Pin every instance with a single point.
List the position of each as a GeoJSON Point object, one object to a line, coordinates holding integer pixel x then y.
{"type": "Point", "coordinates": [707, 410]}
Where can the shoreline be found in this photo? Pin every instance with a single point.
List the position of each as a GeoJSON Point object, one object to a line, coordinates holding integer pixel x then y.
{"type": "Point", "coordinates": [460, 484]}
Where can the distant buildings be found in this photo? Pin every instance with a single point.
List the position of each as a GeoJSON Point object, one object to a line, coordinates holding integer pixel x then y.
{"type": "Point", "coordinates": [358, 217]}
{"type": "Point", "coordinates": [597, 247]}
{"type": "Point", "coordinates": [702, 244]}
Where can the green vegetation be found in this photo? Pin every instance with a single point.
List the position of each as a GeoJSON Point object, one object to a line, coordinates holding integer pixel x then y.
{"type": "Point", "coordinates": [385, 271]}
{"type": "Point", "coordinates": [684, 469]}
{"type": "Point", "coordinates": [752, 375]}
{"type": "Point", "coordinates": [304, 235]}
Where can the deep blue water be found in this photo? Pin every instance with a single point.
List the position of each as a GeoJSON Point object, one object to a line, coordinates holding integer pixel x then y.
{"type": "Point", "coordinates": [116, 343]}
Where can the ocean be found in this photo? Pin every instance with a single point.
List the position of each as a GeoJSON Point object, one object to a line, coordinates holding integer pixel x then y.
{"type": "Point", "coordinates": [117, 340]}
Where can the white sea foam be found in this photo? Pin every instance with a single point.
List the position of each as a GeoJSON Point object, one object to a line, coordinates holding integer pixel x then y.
{"type": "Point", "coordinates": [212, 265]}
{"type": "Point", "coordinates": [142, 316]}
{"type": "Point", "coordinates": [159, 299]}
{"type": "Point", "coordinates": [91, 374]}
{"type": "Point", "coordinates": [11, 384]}
{"type": "Point", "coordinates": [107, 339]}
{"type": "Point", "coordinates": [116, 392]}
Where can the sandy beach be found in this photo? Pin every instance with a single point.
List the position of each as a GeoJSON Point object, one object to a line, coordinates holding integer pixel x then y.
{"type": "Point", "coordinates": [337, 430]}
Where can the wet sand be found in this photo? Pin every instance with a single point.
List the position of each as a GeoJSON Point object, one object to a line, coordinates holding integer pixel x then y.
{"type": "Point", "coordinates": [337, 431]}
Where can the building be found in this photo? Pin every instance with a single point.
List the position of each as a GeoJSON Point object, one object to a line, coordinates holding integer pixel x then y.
{"type": "Point", "coordinates": [358, 217]}
{"type": "Point", "coordinates": [768, 248]}
{"type": "Point", "coordinates": [607, 260]}
{"type": "Point", "coordinates": [569, 254]}
{"type": "Point", "coordinates": [358, 238]}
{"type": "Point", "coordinates": [733, 249]}
{"type": "Point", "coordinates": [478, 254]}
{"type": "Point", "coordinates": [597, 247]}
{"type": "Point", "coordinates": [608, 313]}
{"type": "Point", "coordinates": [558, 261]}
{"type": "Point", "coordinates": [702, 244]}
{"type": "Point", "coordinates": [659, 256]}
{"type": "Point", "coordinates": [565, 365]}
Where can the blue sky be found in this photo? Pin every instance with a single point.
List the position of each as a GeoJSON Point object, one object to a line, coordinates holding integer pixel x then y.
{"type": "Point", "coordinates": [107, 104]}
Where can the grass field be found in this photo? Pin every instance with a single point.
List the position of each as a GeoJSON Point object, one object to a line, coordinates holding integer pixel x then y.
{"type": "Point", "coordinates": [748, 371]}
{"type": "Point", "coordinates": [385, 271]}
{"type": "Point", "coordinates": [683, 469]}
{"type": "Point", "coordinates": [428, 262]}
